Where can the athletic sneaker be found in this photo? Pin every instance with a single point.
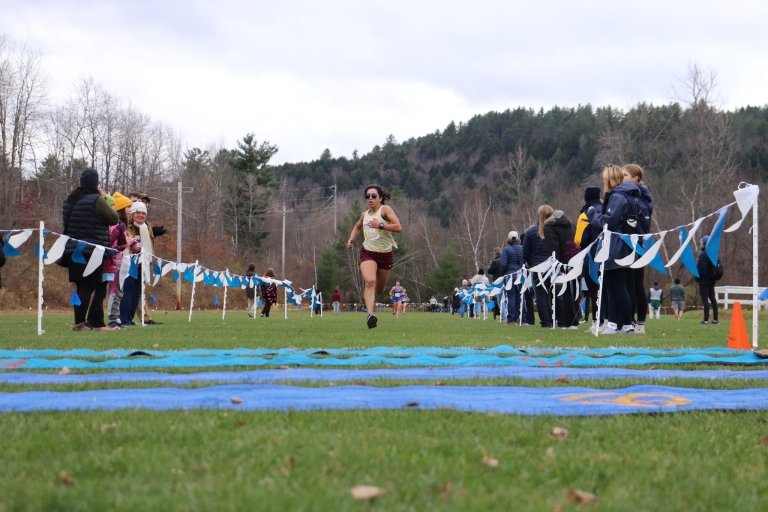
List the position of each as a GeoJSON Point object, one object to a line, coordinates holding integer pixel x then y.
{"type": "Point", "coordinates": [640, 329]}
{"type": "Point", "coordinates": [715, 321]}
{"type": "Point", "coordinates": [628, 330]}
{"type": "Point", "coordinates": [372, 321]}
{"type": "Point", "coordinates": [704, 322]}
{"type": "Point", "coordinates": [610, 330]}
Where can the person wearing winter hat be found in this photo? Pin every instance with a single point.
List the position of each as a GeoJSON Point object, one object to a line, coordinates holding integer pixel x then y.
{"type": "Point", "coordinates": [141, 231]}
{"type": "Point", "coordinates": [119, 242]}
{"type": "Point", "coordinates": [585, 235]}
{"type": "Point", "coordinates": [86, 217]}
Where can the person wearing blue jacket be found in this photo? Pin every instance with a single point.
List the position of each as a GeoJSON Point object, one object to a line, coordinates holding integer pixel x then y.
{"type": "Point", "coordinates": [535, 251]}
{"type": "Point", "coordinates": [510, 263]}
{"type": "Point", "coordinates": [618, 213]}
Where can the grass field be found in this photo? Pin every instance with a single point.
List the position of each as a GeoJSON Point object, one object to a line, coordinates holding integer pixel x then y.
{"type": "Point", "coordinates": [423, 460]}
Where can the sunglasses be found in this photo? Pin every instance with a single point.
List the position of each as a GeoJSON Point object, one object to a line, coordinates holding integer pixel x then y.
{"type": "Point", "coordinates": [371, 196]}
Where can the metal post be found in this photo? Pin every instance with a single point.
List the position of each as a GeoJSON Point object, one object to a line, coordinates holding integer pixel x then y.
{"type": "Point", "coordinates": [755, 267]}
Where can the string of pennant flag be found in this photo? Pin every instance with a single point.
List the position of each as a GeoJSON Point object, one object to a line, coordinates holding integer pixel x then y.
{"type": "Point", "coordinates": [645, 251]}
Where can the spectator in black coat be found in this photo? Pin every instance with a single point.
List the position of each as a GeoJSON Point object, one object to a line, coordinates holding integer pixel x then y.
{"type": "Point", "coordinates": [558, 233]}
{"type": "Point", "coordinates": [511, 262]}
{"type": "Point", "coordinates": [535, 251]}
{"type": "Point", "coordinates": [706, 281]}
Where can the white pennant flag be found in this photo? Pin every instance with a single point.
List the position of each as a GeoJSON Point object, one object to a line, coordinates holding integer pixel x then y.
{"type": "Point", "coordinates": [169, 265]}
{"type": "Point", "coordinates": [630, 258]}
{"type": "Point", "coordinates": [605, 249]}
{"type": "Point", "coordinates": [18, 239]}
{"type": "Point", "coordinates": [96, 261]}
{"type": "Point", "coordinates": [685, 243]}
{"type": "Point", "coordinates": [648, 256]}
{"type": "Point", "coordinates": [745, 199]}
{"type": "Point", "coordinates": [57, 249]}
{"type": "Point", "coordinates": [125, 268]}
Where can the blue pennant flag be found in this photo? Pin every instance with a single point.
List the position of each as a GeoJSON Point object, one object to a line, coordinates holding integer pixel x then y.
{"type": "Point", "coordinates": [77, 255]}
{"type": "Point", "coordinates": [237, 282]}
{"type": "Point", "coordinates": [713, 245]}
{"type": "Point", "coordinates": [491, 305]}
{"type": "Point", "coordinates": [189, 273]}
{"type": "Point", "coordinates": [10, 250]}
{"type": "Point", "coordinates": [133, 270]}
{"type": "Point", "coordinates": [37, 251]}
{"type": "Point", "coordinates": [594, 270]}
{"type": "Point", "coordinates": [74, 300]}
{"type": "Point", "coordinates": [175, 276]}
{"type": "Point", "coordinates": [152, 299]}
{"type": "Point", "coordinates": [156, 268]}
{"type": "Point", "coordinates": [764, 295]}
{"type": "Point", "coordinates": [689, 262]}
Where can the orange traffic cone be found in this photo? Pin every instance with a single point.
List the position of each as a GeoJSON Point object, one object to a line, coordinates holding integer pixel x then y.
{"type": "Point", "coordinates": [738, 339]}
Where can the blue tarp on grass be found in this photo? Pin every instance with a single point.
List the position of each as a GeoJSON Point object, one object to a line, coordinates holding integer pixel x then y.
{"type": "Point", "coordinates": [570, 401]}
{"type": "Point", "coordinates": [268, 376]}
{"type": "Point", "coordinates": [375, 356]}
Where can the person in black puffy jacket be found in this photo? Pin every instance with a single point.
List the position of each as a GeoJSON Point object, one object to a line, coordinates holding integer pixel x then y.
{"type": "Point", "coordinates": [87, 218]}
{"type": "Point", "coordinates": [558, 233]}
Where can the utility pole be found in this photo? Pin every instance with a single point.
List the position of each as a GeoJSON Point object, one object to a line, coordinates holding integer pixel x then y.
{"type": "Point", "coordinates": [282, 266]}
{"type": "Point", "coordinates": [179, 226]}
{"type": "Point", "coordinates": [335, 227]}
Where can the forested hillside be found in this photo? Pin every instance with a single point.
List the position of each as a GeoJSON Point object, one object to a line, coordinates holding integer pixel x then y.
{"type": "Point", "coordinates": [457, 191]}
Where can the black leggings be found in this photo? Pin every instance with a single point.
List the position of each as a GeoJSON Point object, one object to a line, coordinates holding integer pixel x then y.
{"type": "Point", "coordinates": [707, 292]}
{"type": "Point", "coordinates": [91, 290]}
{"type": "Point", "coordinates": [616, 295]}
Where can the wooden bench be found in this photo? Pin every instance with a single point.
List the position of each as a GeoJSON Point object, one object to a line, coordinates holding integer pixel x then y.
{"type": "Point", "coordinates": [729, 294]}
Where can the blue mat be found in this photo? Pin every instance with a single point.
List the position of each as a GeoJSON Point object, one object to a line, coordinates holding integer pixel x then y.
{"type": "Point", "coordinates": [341, 375]}
{"type": "Point", "coordinates": [376, 356]}
{"type": "Point", "coordinates": [571, 401]}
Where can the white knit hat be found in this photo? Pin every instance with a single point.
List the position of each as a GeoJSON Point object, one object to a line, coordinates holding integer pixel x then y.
{"type": "Point", "coordinates": [138, 206]}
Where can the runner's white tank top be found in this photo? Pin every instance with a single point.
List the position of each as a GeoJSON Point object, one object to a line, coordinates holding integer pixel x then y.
{"type": "Point", "coordinates": [375, 239]}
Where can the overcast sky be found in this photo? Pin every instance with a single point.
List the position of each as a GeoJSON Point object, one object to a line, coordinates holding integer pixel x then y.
{"type": "Point", "coordinates": [343, 75]}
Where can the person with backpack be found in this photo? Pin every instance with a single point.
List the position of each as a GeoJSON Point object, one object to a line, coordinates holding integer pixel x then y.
{"type": "Point", "coordinates": [619, 214]}
{"type": "Point", "coordinates": [637, 294]}
{"type": "Point", "coordinates": [559, 233]}
{"type": "Point", "coordinates": [706, 280]}
{"type": "Point", "coordinates": [585, 235]}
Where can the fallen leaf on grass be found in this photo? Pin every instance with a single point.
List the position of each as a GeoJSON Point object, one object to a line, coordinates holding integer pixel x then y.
{"type": "Point", "coordinates": [155, 345]}
{"type": "Point", "coordinates": [412, 404]}
{"type": "Point", "coordinates": [563, 378]}
{"type": "Point", "coordinates": [559, 432]}
{"type": "Point", "coordinates": [106, 427]}
{"type": "Point", "coordinates": [366, 492]}
{"type": "Point", "coordinates": [284, 367]}
{"type": "Point", "coordinates": [65, 479]}
{"type": "Point", "coordinates": [763, 441]}
{"type": "Point", "coordinates": [581, 497]}
{"type": "Point", "coordinates": [235, 400]}
{"type": "Point", "coordinates": [64, 371]}
{"type": "Point", "coordinates": [491, 462]}
{"type": "Point", "coordinates": [288, 468]}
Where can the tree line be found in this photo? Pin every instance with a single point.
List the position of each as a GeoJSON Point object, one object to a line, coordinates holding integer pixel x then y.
{"type": "Point", "coordinates": [457, 191]}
